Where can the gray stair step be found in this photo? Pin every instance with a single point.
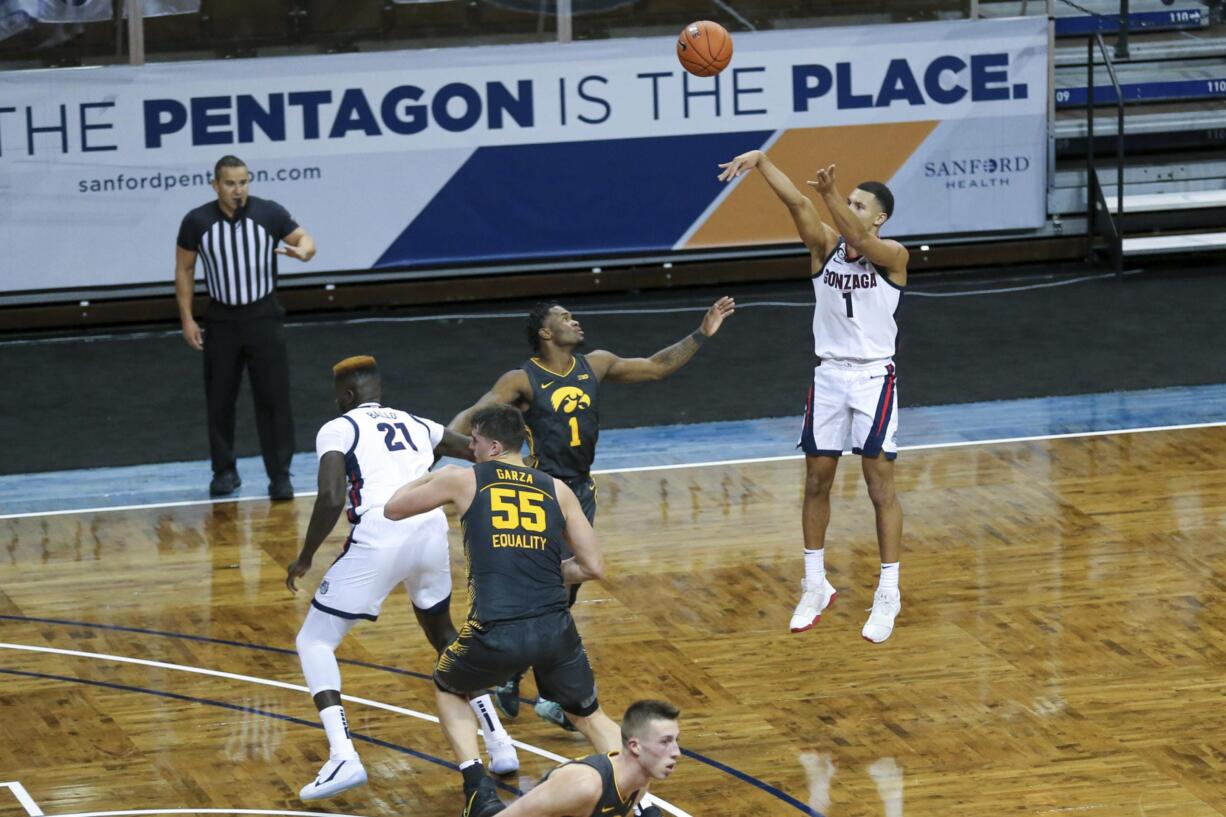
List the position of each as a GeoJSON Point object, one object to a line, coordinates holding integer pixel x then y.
{"type": "Point", "coordinates": [1068, 193]}
{"type": "Point", "coordinates": [1138, 121]}
{"type": "Point", "coordinates": [1074, 21]}
{"type": "Point", "coordinates": [1166, 202]}
{"type": "Point", "coordinates": [1180, 242]}
{"type": "Point", "coordinates": [1182, 47]}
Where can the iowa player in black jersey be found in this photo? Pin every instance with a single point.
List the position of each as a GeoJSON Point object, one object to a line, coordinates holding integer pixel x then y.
{"type": "Point", "coordinates": [521, 527]}
{"type": "Point", "coordinates": [558, 391]}
{"type": "Point", "coordinates": [610, 785]}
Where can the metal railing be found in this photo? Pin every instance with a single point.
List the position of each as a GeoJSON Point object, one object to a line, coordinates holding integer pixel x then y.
{"type": "Point", "coordinates": [1097, 211]}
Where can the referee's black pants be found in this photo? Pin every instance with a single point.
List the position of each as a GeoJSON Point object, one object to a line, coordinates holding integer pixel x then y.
{"type": "Point", "coordinates": [251, 337]}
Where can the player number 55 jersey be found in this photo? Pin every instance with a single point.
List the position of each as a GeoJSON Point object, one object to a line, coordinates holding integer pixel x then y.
{"type": "Point", "coordinates": [384, 448]}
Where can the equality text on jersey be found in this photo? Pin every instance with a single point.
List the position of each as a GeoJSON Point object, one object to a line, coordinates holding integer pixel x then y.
{"type": "Point", "coordinates": [525, 541]}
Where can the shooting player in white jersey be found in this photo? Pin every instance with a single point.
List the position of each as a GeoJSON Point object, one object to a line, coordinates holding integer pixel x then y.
{"type": "Point", "coordinates": [858, 278]}
{"type": "Point", "coordinates": [366, 454]}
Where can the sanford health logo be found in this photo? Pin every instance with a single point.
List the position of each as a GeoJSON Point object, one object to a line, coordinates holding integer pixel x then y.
{"type": "Point", "coordinates": [985, 171]}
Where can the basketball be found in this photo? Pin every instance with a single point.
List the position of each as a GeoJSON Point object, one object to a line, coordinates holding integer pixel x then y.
{"type": "Point", "coordinates": [704, 48]}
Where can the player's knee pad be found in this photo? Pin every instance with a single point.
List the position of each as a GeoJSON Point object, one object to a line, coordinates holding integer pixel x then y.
{"type": "Point", "coordinates": [436, 624]}
{"type": "Point", "coordinates": [317, 641]}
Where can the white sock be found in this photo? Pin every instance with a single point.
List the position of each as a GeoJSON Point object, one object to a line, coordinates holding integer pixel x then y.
{"type": "Point", "coordinates": [889, 577]}
{"type": "Point", "coordinates": [337, 728]}
{"type": "Point", "coordinates": [815, 566]}
{"type": "Point", "coordinates": [487, 718]}
{"type": "Point", "coordinates": [468, 763]}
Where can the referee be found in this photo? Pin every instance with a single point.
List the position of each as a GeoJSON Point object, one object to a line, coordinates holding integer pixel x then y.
{"type": "Point", "coordinates": [236, 237]}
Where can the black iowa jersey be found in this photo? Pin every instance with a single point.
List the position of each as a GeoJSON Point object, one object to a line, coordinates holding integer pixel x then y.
{"type": "Point", "coordinates": [562, 418]}
{"type": "Point", "coordinates": [513, 544]}
{"type": "Point", "coordinates": [611, 803]}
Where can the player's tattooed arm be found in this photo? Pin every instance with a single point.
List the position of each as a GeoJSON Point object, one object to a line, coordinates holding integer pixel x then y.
{"type": "Point", "coordinates": [616, 369]}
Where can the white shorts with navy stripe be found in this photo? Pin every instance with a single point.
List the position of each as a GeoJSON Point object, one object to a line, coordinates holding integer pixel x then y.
{"type": "Point", "coordinates": [380, 554]}
{"type": "Point", "coordinates": [859, 401]}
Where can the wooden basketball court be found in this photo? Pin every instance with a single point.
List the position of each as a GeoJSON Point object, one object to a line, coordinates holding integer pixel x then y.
{"type": "Point", "coordinates": [1061, 649]}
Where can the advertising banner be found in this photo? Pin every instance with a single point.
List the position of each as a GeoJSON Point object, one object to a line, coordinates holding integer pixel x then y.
{"type": "Point", "coordinates": [470, 156]}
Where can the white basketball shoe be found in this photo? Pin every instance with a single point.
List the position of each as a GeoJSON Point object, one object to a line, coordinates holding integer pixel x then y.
{"type": "Point", "coordinates": [886, 605]}
{"type": "Point", "coordinates": [813, 600]}
{"type": "Point", "coordinates": [503, 758]}
{"type": "Point", "coordinates": [338, 774]}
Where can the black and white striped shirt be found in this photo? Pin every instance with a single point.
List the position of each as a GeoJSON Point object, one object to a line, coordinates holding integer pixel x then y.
{"type": "Point", "coordinates": [240, 266]}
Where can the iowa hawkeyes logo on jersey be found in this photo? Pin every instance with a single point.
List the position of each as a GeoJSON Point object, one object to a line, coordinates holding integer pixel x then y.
{"type": "Point", "coordinates": [569, 399]}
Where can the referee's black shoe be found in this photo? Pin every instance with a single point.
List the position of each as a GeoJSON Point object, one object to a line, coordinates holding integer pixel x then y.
{"type": "Point", "coordinates": [224, 482]}
{"type": "Point", "coordinates": [280, 489]}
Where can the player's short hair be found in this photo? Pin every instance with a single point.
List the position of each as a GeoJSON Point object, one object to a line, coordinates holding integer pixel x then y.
{"type": "Point", "coordinates": [356, 366]}
{"type": "Point", "coordinates": [885, 199]}
{"type": "Point", "coordinates": [536, 319]}
{"type": "Point", "coordinates": [502, 423]}
{"type": "Point", "coordinates": [641, 713]}
{"type": "Point", "coordinates": [227, 161]}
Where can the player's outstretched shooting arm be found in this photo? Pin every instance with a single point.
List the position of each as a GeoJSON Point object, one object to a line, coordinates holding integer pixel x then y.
{"type": "Point", "coordinates": [886, 254]}
{"type": "Point", "coordinates": [329, 503]}
{"type": "Point", "coordinates": [613, 369]}
{"type": "Point", "coordinates": [818, 236]}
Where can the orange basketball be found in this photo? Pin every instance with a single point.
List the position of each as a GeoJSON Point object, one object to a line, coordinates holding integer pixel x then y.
{"type": "Point", "coordinates": [704, 48]}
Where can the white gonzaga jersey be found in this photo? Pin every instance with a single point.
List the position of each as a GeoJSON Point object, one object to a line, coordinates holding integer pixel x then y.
{"type": "Point", "coordinates": [853, 314]}
{"type": "Point", "coordinates": [384, 448]}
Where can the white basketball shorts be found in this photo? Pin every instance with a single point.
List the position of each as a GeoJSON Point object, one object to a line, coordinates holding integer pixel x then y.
{"type": "Point", "coordinates": [380, 554]}
{"type": "Point", "coordinates": [851, 399]}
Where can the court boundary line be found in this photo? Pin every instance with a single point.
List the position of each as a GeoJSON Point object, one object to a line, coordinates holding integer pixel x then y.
{"type": "Point", "coordinates": [252, 679]}
{"type": "Point", "coordinates": [206, 811]}
{"type": "Point", "coordinates": [716, 764]}
{"type": "Point", "coordinates": [666, 467]}
{"type": "Point", "coordinates": [23, 797]}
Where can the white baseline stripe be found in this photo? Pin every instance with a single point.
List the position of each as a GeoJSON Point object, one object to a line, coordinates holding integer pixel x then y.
{"type": "Point", "coordinates": [201, 811]}
{"type": "Point", "coordinates": [701, 464]}
{"type": "Point", "coordinates": [282, 685]}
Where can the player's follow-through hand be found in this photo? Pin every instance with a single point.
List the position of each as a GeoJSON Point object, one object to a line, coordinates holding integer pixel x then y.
{"type": "Point", "coordinates": [740, 165]}
{"type": "Point", "coordinates": [296, 570]}
{"type": "Point", "coordinates": [714, 318]}
{"type": "Point", "coordinates": [824, 183]}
